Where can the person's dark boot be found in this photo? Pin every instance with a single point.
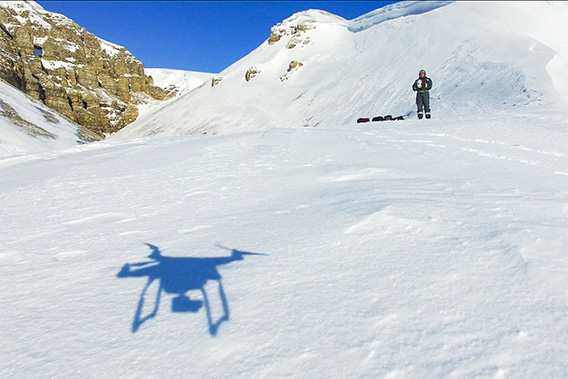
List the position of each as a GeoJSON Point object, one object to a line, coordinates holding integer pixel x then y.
{"type": "Point", "coordinates": [420, 116]}
{"type": "Point", "coordinates": [428, 115]}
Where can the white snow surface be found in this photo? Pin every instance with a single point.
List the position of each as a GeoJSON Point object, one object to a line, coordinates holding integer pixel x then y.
{"type": "Point", "coordinates": [402, 249]}
{"type": "Point", "coordinates": [408, 249]}
{"type": "Point", "coordinates": [184, 81]}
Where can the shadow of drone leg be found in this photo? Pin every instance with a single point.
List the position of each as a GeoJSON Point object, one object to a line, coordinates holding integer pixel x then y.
{"type": "Point", "coordinates": [224, 302]}
{"type": "Point", "coordinates": [138, 320]}
{"type": "Point", "coordinates": [212, 330]}
{"type": "Point", "coordinates": [214, 326]}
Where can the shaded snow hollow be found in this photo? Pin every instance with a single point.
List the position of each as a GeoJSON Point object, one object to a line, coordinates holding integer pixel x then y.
{"type": "Point", "coordinates": [28, 126]}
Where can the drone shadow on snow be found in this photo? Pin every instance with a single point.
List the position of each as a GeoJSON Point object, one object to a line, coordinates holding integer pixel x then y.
{"type": "Point", "coordinates": [178, 275]}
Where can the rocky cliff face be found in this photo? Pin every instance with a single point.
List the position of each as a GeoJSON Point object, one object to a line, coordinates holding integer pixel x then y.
{"type": "Point", "coordinates": [90, 81]}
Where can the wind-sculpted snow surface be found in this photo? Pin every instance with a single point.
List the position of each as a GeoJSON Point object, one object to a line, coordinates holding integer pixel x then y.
{"type": "Point", "coordinates": [401, 249]}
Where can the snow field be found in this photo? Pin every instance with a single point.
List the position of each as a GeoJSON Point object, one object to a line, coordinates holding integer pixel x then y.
{"type": "Point", "coordinates": [410, 249]}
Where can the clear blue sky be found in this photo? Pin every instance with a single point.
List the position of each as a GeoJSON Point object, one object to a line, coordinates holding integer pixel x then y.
{"type": "Point", "coordinates": [205, 36]}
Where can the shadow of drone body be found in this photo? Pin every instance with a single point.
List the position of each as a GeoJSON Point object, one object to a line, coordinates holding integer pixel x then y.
{"type": "Point", "coordinates": [177, 275]}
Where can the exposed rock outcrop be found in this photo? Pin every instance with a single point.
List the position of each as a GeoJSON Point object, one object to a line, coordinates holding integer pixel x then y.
{"type": "Point", "coordinates": [88, 80]}
{"type": "Point", "coordinates": [216, 80]}
{"type": "Point", "coordinates": [294, 64]}
{"type": "Point", "coordinates": [252, 72]}
{"type": "Point", "coordinates": [293, 29]}
{"type": "Point", "coordinates": [292, 67]}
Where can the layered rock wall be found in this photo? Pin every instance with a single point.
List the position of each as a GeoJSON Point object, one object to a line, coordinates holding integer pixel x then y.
{"type": "Point", "coordinates": [90, 81]}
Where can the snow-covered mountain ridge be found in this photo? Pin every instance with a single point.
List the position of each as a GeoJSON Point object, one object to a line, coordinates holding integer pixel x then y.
{"type": "Point", "coordinates": [393, 11]}
{"type": "Point", "coordinates": [483, 57]}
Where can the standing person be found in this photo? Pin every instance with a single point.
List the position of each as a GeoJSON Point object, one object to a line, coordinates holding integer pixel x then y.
{"type": "Point", "coordinates": [422, 86]}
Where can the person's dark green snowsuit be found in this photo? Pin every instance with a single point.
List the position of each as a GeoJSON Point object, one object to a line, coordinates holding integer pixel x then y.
{"type": "Point", "coordinates": [422, 86]}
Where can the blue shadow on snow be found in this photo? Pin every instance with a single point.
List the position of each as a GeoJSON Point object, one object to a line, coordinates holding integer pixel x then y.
{"type": "Point", "coordinates": [177, 275]}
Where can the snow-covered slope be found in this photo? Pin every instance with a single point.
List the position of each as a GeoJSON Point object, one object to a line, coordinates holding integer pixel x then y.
{"type": "Point", "coordinates": [482, 57]}
{"type": "Point", "coordinates": [28, 126]}
{"type": "Point", "coordinates": [175, 82]}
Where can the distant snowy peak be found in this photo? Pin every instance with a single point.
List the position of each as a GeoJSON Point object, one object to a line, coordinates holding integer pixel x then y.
{"type": "Point", "coordinates": [312, 16]}
{"type": "Point", "coordinates": [387, 13]}
{"type": "Point", "coordinates": [177, 82]}
{"type": "Point", "coordinates": [297, 24]}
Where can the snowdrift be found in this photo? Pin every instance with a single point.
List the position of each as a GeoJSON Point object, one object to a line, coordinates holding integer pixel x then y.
{"type": "Point", "coordinates": [482, 57]}
{"type": "Point", "coordinates": [392, 250]}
